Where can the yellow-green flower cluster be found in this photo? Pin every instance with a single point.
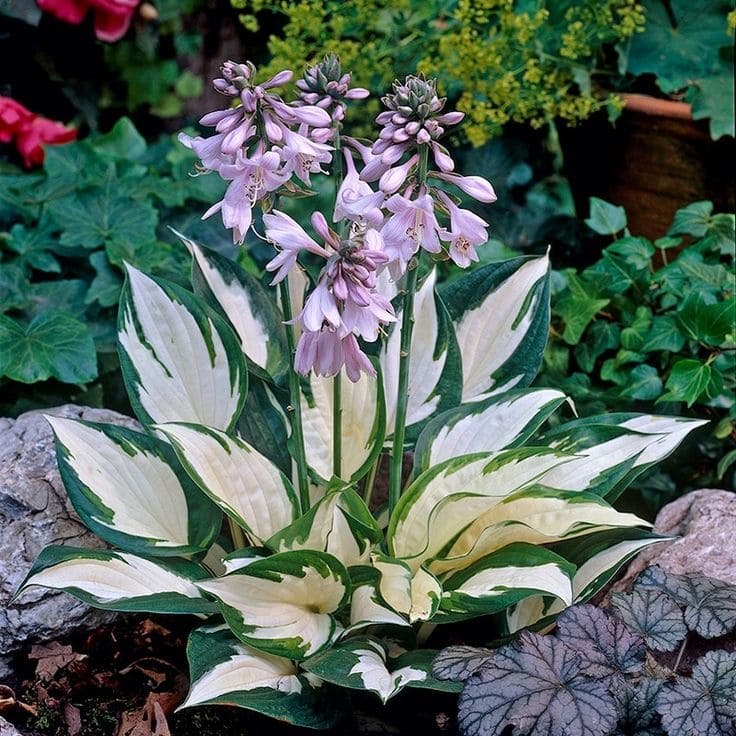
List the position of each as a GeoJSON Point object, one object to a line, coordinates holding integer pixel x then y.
{"type": "Point", "coordinates": [502, 60]}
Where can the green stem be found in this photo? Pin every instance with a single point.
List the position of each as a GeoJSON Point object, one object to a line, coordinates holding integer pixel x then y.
{"type": "Point", "coordinates": [337, 380]}
{"type": "Point", "coordinates": [370, 481]}
{"type": "Point", "coordinates": [295, 405]}
{"type": "Point", "coordinates": [407, 326]}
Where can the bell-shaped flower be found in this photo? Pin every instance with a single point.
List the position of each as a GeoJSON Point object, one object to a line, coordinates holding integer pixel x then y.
{"type": "Point", "coordinates": [476, 186]}
{"type": "Point", "coordinates": [355, 200]}
{"type": "Point", "coordinates": [327, 350]}
{"type": "Point", "coordinates": [290, 237]}
{"type": "Point", "coordinates": [466, 231]}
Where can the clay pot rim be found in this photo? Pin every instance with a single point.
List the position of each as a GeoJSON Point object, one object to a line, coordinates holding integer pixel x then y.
{"type": "Point", "coordinates": [656, 106]}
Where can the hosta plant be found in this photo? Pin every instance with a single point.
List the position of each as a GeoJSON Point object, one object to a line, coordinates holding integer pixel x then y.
{"type": "Point", "coordinates": [312, 586]}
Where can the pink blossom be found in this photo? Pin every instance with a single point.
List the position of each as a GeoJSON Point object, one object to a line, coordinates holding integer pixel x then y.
{"type": "Point", "coordinates": [466, 231]}
{"type": "Point", "coordinates": [355, 200]}
{"type": "Point", "coordinates": [288, 235]}
{"type": "Point", "coordinates": [476, 186]}
{"type": "Point", "coordinates": [393, 179]}
{"type": "Point", "coordinates": [111, 17]}
{"type": "Point", "coordinates": [327, 350]}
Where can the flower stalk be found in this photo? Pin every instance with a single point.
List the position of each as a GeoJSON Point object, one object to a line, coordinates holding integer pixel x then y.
{"type": "Point", "coordinates": [407, 327]}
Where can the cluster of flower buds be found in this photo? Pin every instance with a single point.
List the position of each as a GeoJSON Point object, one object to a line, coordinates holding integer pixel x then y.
{"type": "Point", "coordinates": [259, 143]}
{"type": "Point", "coordinates": [325, 86]}
{"type": "Point", "coordinates": [345, 304]}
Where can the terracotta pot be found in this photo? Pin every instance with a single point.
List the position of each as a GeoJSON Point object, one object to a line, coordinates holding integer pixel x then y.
{"type": "Point", "coordinates": [655, 160]}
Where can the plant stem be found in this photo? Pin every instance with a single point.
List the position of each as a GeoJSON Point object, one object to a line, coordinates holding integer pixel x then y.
{"type": "Point", "coordinates": [295, 405]}
{"type": "Point", "coordinates": [237, 535]}
{"type": "Point", "coordinates": [680, 653]}
{"type": "Point", "coordinates": [407, 326]}
{"type": "Point", "coordinates": [337, 168]}
{"type": "Point", "coordinates": [370, 481]}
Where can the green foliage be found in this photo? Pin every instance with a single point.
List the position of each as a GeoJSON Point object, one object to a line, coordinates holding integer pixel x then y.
{"type": "Point", "coordinates": [595, 677]}
{"type": "Point", "coordinates": [652, 323]}
{"type": "Point", "coordinates": [688, 46]}
{"type": "Point", "coordinates": [64, 235]}
{"type": "Point", "coordinates": [503, 62]}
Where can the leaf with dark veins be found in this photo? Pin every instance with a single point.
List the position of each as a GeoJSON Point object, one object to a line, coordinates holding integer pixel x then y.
{"type": "Point", "coordinates": [637, 712]}
{"type": "Point", "coordinates": [538, 686]}
{"type": "Point", "coordinates": [652, 614]}
{"type": "Point", "coordinates": [607, 647]}
{"type": "Point", "coordinates": [710, 604]}
{"type": "Point", "coordinates": [460, 662]}
{"type": "Point", "coordinates": [705, 703]}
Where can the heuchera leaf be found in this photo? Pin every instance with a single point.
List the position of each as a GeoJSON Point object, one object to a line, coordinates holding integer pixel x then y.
{"type": "Point", "coordinates": [607, 646]}
{"type": "Point", "coordinates": [704, 704]}
{"type": "Point", "coordinates": [710, 605]}
{"type": "Point", "coordinates": [637, 708]}
{"type": "Point", "coordinates": [460, 662]}
{"type": "Point", "coordinates": [654, 615]}
{"type": "Point", "coordinates": [538, 686]}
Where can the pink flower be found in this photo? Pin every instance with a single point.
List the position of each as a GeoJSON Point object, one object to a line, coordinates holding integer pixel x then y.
{"type": "Point", "coordinates": [30, 131]}
{"type": "Point", "coordinates": [327, 350]}
{"type": "Point", "coordinates": [466, 231]}
{"type": "Point", "coordinates": [355, 200]}
{"type": "Point", "coordinates": [412, 226]}
{"type": "Point", "coordinates": [111, 17]}
{"type": "Point", "coordinates": [286, 234]}
{"type": "Point", "coordinates": [476, 186]}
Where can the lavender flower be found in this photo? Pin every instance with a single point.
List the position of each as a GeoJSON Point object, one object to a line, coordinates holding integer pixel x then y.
{"type": "Point", "coordinates": [327, 351]}
{"type": "Point", "coordinates": [466, 231]}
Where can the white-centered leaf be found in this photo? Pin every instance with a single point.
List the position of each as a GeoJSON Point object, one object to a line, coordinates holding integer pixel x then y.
{"type": "Point", "coordinates": [255, 318]}
{"type": "Point", "coordinates": [339, 523]}
{"type": "Point", "coordinates": [363, 425]}
{"type": "Point", "coordinates": [244, 483]}
{"type": "Point", "coordinates": [536, 516]}
{"type": "Point", "coordinates": [484, 426]}
{"type": "Point", "coordinates": [120, 581]}
{"type": "Point", "coordinates": [180, 361]}
{"type": "Point", "coordinates": [443, 500]}
{"type": "Point", "coordinates": [505, 577]}
{"type": "Point", "coordinates": [434, 366]}
{"type": "Point", "coordinates": [501, 314]}
{"type": "Point", "coordinates": [225, 671]}
{"type": "Point", "coordinates": [363, 664]}
{"type": "Point", "coordinates": [414, 594]}
{"type": "Point", "coordinates": [284, 604]}
{"type": "Point", "coordinates": [129, 489]}
{"type": "Point", "coordinates": [368, 607]}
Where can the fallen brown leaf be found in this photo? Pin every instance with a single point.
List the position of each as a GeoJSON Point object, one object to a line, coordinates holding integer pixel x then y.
{"type": "Point", "coordinates": [8, 702]}
{"type": "Point", "coordinates": [151, 719]}
{"type": "Point", "coordinates": [53, 657]}
{"type": "Point", "coordinates": [73, 719]}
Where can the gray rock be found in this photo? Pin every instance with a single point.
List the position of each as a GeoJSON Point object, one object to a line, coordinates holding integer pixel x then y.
{"type": "Point", "coordinates": [7, 729]}
{"type": "Point", "coordinates": [35, 512]}
{"type": "Point", "coordinates": [705, 522]}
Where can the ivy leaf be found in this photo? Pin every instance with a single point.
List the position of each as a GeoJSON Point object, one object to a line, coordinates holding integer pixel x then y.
{"type": "Point", "coordinates": [638, 715]}
{"type": "Point", "coordinates": [577, 307]}
{"type": "Point", "coordinates": [706, 322]}
{"type": "Point", "coordinates": [710, 605]}
{"type": "Point", "coordinates": [692, 220]}
{"type": "Point", "coordinates": [652, 614]}
{"type": "Point", "coordinates": [644, 383]}
{"type": "Point", "coordinates": [664, 334]}
{"type": "Point", "coordinates": [605, 218]}
{"type": "Point", "coordinates": [460, 662]}
{"type": "Point", "coordinates": [607, 646]}
{"type": "Point", "coordinates": [704, 703]}
{"type": "Point", "coordinates": [54, 344]}
{"type": "Point", "coordinates": [106, 285]}
{"type": "Point", "coordinates": [123, 142]}
{"type": "Point", "coordinates": [688, 379]}
{"type": "Point", "coordinates": [538, 686]}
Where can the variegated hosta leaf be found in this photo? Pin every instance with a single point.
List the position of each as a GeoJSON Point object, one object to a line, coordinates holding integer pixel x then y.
{"type": "Point", "coordinates": [339, 523]}
{"type": "Point", "coordinates": [368, 607]}
{"type": "Point", "coordinates": [242, 558]}
{"type": "Point", "coordinates": [443, 500]}
{"type": "Point", "coordinates": [434, 362]}
{"type": "Point", "coordinates": [364, 664]}
{"type": "Point", "coordinates": [247, 486]}
{"type": "Point", "coordinates": [284, 604]}
{"type": "Point", "coordinates": [613, 449]}
{"type": "Point", "coordinates": [225, 671]}
{"type": "Point", "coordinates": [501, 315]}
{"type": "Point", "coordinates": [363, 425]}
{"type": "Point", "coordinates": [256, 319]}
{"type": "Point", "coordinates": [505, 577]}
{"type": "Point", "coordinates": [597, 557]}
{"type": "Point", "coordinates": [120, 581]}
{"type": "Point", "coordinates": [536, 516]}
{"type": "Point", "coordinates": [496, 423]}
{"type": "Point", "coordinates": [129, 489]}
{"type": "Point", "coordinates": [414, 594]}
{"type": "Point", "coordinates": [181, 362]}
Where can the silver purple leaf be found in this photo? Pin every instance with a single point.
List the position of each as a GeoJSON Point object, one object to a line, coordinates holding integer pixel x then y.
{"type": "Point", "coordinates": [703, 704]}
{"type": "Point", "coordinates": [538, 686]}
{"type": "Point", "coordinates": [654, 615]}
{"type": "Point", "coordinates": [607, 647]}
{"type": "Point", "coordinates": [710, 604]}
{"type": "Point", "coordinates": [460, 662]}
{"type": "Point", "coordinates": [637, 712]}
